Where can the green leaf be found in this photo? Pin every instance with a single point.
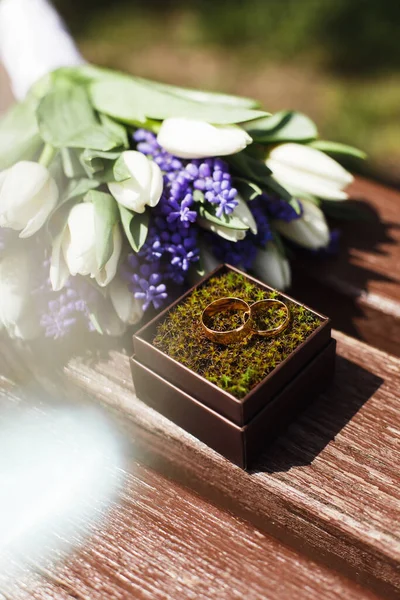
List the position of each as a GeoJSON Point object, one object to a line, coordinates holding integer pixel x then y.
{"type": "Point", "coordinates": [119, 131]}
{"type": "Point", "coordinates": [135, 225]}
{"type": "Point", "coordinates": [337, 149]}
{"type": "Point", "coordinates": [120, 170]}
{"type": "Point", "coordinates": [71, 163]}
{"type": "Point", "coordinates": [247, 189]}
{"type": "Point", "coordinates": [95, 161]}
{"type": "Point", "coordinates": [66, 119]}
{"type": "Point", "coordinates": [231, 221]}
{"type": "Point", "coordinates": [257, 171]}
{"type": "Point", "coordinates": [283, 126]}
{"type": "Point", "coordinates": [80, 187]}
{"type": "Point", "coordinates": [19, 134]}
{"type": "Point", "coordinates": [249, 167]}
{"type": "Point", "coordinates": [198, 267]}
{"type": "Point", "coordinates": [203, 96]}
{"type": "Point", "coordinates": [106, 216]}
{"type": "Point", "coordinates": [133, 101]}
{"type": "Point", "coordinates": [95, 322]}
{"type": "Point", "coordinates": [87, 73]}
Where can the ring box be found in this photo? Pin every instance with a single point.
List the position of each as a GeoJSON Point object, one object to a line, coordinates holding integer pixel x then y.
{"type": "Point", "coordinates": [237, 428]}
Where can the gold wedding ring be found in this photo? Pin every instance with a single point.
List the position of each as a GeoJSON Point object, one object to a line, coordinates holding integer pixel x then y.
{"type": "Point", "coordinates": [227, 305]}
{"type": "Point", "coordinates": [247, 327]}
{"type": "Point", "coordinates": [258, 307]}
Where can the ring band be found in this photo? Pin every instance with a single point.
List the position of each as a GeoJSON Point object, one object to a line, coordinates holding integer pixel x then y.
{"type": "Point", "coordinates": [273, 331]}
{"type": "Point", "coordinates": [227, 305]}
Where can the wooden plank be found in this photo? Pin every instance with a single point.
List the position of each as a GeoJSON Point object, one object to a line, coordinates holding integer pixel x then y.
{"type": "Point", "coordinates": [329, 487]}
{"type": "Point", "coordinates": [360, 288]}
{"type": "Point", "coordinates": [159, 539]}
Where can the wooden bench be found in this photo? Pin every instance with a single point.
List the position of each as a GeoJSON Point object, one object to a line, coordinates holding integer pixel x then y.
{"type": "Point", "coordinates": [360, 288]}
{"type": "Point", "coordinates": [188, 521]}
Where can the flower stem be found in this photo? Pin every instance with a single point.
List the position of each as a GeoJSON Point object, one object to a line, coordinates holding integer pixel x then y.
{"type": "Point", "coordinates": [48, 153]}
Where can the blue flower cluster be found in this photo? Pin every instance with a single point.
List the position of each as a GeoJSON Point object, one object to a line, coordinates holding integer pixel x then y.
{"type": "Point", "coordinates": [61, 311]}
{"type": "Point", "coordinates": [280, 209]}
{"type": "Point", "coordinates": [171, 246]}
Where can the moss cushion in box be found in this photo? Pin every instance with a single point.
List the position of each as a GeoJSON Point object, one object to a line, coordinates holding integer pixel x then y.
{"type": "Point", "coordinates": [239, 380]}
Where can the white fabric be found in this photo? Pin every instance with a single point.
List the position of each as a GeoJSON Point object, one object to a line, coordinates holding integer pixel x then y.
{"type": "Point", "coordinates": [33, 42]}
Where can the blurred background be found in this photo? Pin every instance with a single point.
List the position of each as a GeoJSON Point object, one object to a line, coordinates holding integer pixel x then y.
{"type": "Point", "coordinates": [336, 60]}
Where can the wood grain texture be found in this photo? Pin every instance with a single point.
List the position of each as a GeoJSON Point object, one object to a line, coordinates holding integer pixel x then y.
{"type": "Point", "coordinates": [329, 487]}
{"type": "Point", "coordinates": [160, 540]}
{"type": "Point", "coordinates": [360, 288]}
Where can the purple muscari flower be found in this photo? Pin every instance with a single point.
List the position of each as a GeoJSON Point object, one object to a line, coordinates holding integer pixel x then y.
{"type": "Point", "coordinates": [264, 233]}
{"type": "Point", "coordinates": [183, 251]}
{"type": "Point", "coordinates": [60, 312]}
{"type": "Point", "coordinates": [171, 246]}
{"type": "Point", "coordinates": [147, 286]}
{"type": "Point", "coordinates": [280, 209]}
{"type": "Point", "coordinates": [182, 211]}
{"type": "Point", "coordinates": [66, 309]}
{"type": "Point", "coordinates": [241, 253]}
{"type": "Point", "coordinates": [211, 176]}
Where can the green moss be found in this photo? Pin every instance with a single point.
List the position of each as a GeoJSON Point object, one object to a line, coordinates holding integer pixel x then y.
{"type": "Point", "coordinates": [236, 368]}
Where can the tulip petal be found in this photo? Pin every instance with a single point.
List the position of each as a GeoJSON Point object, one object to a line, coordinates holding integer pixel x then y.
{"type": "Point", "coordinates": [58, 267]}
{"type": "Point", "coordinates": [272, 267]}
{"type": "Point", "coordinates": [310, 231]}
{"type": "Point", "coordinates": [3, 175]}
{"type": "Point", "coordinates": [243, 212]}
{"type": "Point", "coordinates": [47, 201]}
{"type": "Point", "coordinates": [232, 235]}
{"type": "Point", "coordinates": [14, 286]}
{"type": "Point", "coordinates": [129, 194]}
{"type": "Point", "coordinates": [157, 184]}
{"type": "Point", "coordinates": [190, 138]}
{"type": "Point", "coordinates": [108, 272]}
{"type": "Point", "coordinates": [108, 320]}
{"type": "Point", "coordinates": [127, 307]}
{"type": "Point", "coordinates": [79, 247]}
{"type": "Point", "coordinates": [309, 171]}
{"type": "Point", "coordinates": [23, 181]}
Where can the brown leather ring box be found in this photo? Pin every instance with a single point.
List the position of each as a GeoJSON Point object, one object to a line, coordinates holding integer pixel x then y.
{"type": "Point", "coordinates": [238, 429]}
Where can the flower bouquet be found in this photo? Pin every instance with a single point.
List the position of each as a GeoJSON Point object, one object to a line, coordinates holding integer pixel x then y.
{"type": "Point", "coordinates": [116, 191]}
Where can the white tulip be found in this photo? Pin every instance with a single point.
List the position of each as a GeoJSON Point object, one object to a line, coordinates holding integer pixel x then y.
{"type": "Point", "coordinates": [303, 169]}
{"type": "Point", "coordinates": [127, 307]}
{"type": "Point", "coordinates": [108, 320]}
{"type": "Point", "coordinates": [232, 235]}
{"type": "Point", "coordinates": [272, 267]}
{"type": "Point", "coordinates": [28, 194]}
{"type": "Point", "coordinates": [17, 315]}
{"type": "Point", "coordinates": [144, 186]}
{"type": "Point", "coordinates": [310, 231]}
{"type": "Point", "coordinates": [190, 138]}
{"type": "Point", "coordinates": [74, 250]}
{"type": "Point", "coordinates": [243, 212]}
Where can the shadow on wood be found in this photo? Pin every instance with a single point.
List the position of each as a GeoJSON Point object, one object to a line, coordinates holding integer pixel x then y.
{"type": "Point", "coordinates": [321, 422]}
